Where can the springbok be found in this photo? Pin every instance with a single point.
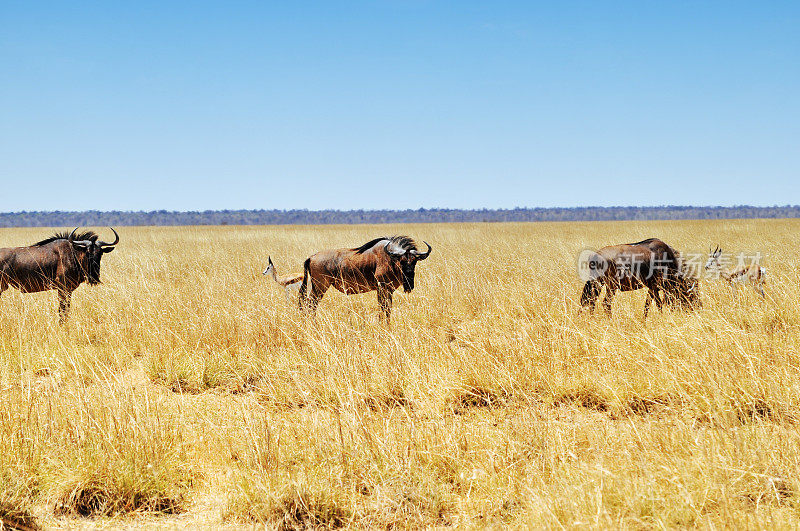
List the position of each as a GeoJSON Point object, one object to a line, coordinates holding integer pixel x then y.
{"type": "Point", "coordinates": [650, 264]}
{"type": "Point", "coordinates": [382, 265]}
{"type": "Point", "coordinates": [290, 283]}
{"type": "Point", "coordinates": [753, 274]}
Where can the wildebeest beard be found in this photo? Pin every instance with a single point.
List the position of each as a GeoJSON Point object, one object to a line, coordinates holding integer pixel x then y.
{"type": "Point", "coordinates": [408, 278]}
{"type": "Point", "coordinates": [93, 271]}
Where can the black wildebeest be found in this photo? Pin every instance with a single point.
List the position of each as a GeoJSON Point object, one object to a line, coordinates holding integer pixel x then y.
{"type": "Point", "coordinates": [60, 262]}
{"type": "Point", "coordinates": [382, 265]}
{"type": "Point", "coordinates": [650, 264]}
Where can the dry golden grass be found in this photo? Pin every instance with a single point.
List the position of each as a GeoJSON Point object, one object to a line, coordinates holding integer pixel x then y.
{"type": "Point", "coordinates": [186, 392]}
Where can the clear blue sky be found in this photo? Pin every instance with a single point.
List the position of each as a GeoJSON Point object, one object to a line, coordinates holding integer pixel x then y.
{"type": "Point", "coordinates": [397, 104]}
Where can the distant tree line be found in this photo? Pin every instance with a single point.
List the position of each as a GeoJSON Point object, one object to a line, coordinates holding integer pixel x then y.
{"type": "Point", "coordinates": [421, 215]}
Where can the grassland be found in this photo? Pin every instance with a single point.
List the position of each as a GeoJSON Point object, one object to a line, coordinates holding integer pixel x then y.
{"type": "Point", "coordinates": [185, 391]}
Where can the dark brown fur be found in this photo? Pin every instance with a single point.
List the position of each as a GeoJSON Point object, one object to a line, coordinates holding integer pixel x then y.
{"type": "Point", "coordinates": [650, 264]}
{"type": "Point", "coordinates": [54, 263]}
{"type": "Point", "coordinates": [382, 265]}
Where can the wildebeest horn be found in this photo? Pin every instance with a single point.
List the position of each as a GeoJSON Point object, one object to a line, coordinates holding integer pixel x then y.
{"type": "Point", "coordinates": [392, 251]}
{"type": "Point", "coordinates": [71, 239]}
{"type": "Point", "coordinates": [423, 256]}
{"type": "Point", "coordinates": [116, 240]}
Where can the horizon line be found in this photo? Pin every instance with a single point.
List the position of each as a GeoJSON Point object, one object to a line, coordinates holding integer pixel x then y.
{"type": "Point", "coordinates": [386, 210]}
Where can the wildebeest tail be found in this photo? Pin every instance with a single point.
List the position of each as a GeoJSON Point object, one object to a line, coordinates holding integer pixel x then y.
{"type": "Point", "coordinates": [591, 290]}
{"type": "Point", "coordinates": [304, 285]}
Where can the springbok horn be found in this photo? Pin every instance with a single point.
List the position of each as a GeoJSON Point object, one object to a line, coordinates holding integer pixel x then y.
{"type": "Point", "coordinates": [393, 253]}
{"type": "Point", "coordinates": [116, 241]}
{"type": "Point", "coordinates": [423, 256]}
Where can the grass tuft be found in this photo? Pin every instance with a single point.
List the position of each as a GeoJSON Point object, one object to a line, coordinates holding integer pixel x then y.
{"type": "Point", "coordinates": [478, 397]}
{"type": "Point", "coordinates": [296, 509]}
{"type": "Point", "coordinates": [639, 405]}
{"type": "Point", "coordinates": [583, 397]}
{"type": "Point", "coordinates": [13, 515]}
{"type": "Point", "coordinates": [111, 497]}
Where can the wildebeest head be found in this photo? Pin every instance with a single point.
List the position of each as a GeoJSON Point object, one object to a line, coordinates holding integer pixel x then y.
{"type": "Point", "coordinates": [89, 250]}
{"type": "Point", "coordinates": [403, 251]}
{"type": "Point", "coordinates": [685, 293]}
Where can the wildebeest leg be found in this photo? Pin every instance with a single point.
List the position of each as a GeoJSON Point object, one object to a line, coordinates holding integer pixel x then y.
{"type": "Point", "coordinates": [652, 294]}
{"type": "Point", "coordinates": [314, 297]}
{"type": "Point", "coordinates": [301, 297]}
{"type": "Point", "coordinates": [657, 298]}
{"type": "Point", "coordinates": [385, 302]}
{"type": "Point", "coordinates": [64, 299]}
{"type": "Point", "coordinates": [608, 299]}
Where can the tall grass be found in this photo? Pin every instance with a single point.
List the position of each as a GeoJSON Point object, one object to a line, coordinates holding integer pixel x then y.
{"type": "Point", "coordinates": [186, 390]}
